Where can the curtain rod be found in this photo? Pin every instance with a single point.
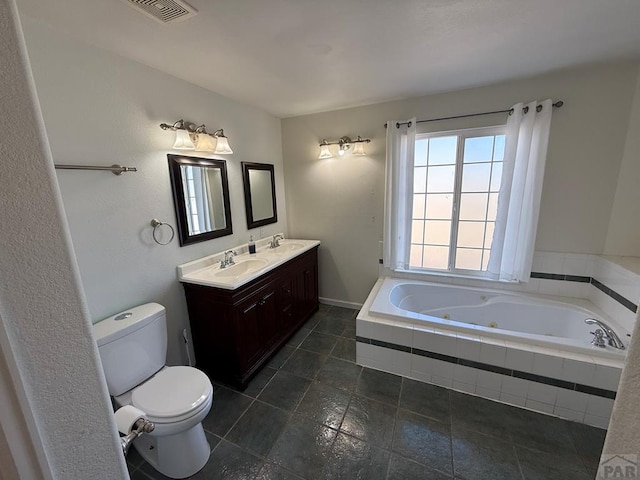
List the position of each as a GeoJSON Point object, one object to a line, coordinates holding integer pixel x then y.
{"type": "Point", "coordinates": [557, 104]}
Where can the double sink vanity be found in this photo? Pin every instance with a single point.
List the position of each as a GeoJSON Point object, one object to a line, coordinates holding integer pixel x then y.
{"type": "Point", "coordinates": [243, 310]}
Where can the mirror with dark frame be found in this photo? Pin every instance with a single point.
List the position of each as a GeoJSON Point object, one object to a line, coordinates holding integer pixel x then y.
{"type": "Point", "coordinates": [259, 194]}
{"type": "Point", "coordinates": [201, 198]}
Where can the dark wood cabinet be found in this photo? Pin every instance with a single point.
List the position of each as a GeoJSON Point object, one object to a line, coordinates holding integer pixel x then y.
{"type": "Point", "coordinates": [235, 332]}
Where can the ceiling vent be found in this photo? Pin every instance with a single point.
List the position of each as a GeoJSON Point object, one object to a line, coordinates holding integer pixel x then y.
{"type": "Point", "coordinates": [164, 11]}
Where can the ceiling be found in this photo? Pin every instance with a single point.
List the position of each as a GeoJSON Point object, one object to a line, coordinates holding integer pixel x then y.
{"type": "Point", "coordinates": [293, 57]}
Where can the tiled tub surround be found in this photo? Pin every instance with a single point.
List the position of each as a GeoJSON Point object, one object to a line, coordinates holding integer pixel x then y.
{"type": "Point", "coordinates": [610, 283]}
{"type": "Point", "coordinates": [570, 380]}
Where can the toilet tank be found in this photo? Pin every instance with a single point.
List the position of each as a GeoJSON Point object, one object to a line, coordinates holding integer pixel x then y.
{"type": "Point", "coordinates": [132, 346]}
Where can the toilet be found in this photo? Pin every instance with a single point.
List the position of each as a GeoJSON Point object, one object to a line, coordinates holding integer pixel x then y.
{"type": "Point", "coordinates": [133, 348]}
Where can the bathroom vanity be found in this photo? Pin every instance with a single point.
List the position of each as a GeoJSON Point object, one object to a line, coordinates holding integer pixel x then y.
{"type": "Point", "coordinates": [242, 314]}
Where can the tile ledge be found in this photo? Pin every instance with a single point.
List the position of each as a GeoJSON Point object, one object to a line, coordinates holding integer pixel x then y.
{"type": "Point", "coordinates": [631, 264]}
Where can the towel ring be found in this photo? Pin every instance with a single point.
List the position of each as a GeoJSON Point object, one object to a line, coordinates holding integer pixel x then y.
{"type": "Point", "coordinates": [156, 224]}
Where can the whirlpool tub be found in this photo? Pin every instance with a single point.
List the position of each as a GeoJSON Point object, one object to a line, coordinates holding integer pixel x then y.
{"type": "Point", "coordinates": [526, 350]}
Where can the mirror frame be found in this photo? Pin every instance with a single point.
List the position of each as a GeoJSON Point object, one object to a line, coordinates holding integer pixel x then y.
{"type": "Point", "coordinates": [246, 167]}
{"type": "Point", "coordinates": [175, 161]}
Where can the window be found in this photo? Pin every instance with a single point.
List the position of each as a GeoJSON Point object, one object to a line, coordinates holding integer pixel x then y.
{"type": "Point", "coordinates": [456, 180]}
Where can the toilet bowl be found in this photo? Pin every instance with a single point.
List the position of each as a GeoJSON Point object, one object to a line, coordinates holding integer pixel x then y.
{"type": "Point", "coordinates": [132, 346]}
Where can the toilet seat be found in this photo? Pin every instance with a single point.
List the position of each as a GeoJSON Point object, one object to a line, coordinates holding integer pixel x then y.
{"type": "Point", "coordinates": [173, 394]}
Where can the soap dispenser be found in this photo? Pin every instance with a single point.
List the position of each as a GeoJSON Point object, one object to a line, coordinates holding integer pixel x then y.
{"type": "Point", "coordinates": [252, 245]}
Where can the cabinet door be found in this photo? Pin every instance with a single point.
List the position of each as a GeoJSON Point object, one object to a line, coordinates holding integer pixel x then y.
{"type": "Point", "coordinates": [286, 297]}
{"type": "Point", "coordinates": [308, 295]}
{"type": "Point", "coordinates": [248, 332]}
{"type": "Point", "coordinates": [268, 319]}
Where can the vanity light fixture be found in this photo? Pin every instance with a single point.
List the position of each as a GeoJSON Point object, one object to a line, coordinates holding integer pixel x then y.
{"type": "Point", "coordinates": [344, 143]}
{"type": "Point", "coordinates": [324, 150]}
{"type": "Point", "coordinates": [183, 137]}
{"type": "Point", "coordinates": [204, 142]}
{"type": "Point", "coordinates": [222, 143]}
{"type": "Point", "coordinates": [358, 146]}
{"type": "Point", "coordinates": [190, 137]}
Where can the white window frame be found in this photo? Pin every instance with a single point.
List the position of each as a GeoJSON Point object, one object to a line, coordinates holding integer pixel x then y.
{"type": "Point", "coordinates": [462, 134]}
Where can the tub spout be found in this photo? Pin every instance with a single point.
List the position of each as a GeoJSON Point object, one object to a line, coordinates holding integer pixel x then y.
{"type": "Point", "coordinates": [612, 339]}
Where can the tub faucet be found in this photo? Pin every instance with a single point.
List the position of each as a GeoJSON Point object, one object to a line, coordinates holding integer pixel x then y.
{"type": "Point", "coordinates": [598, 339]}
{"type": "Point", "coordinates": [609, 335]}
{"type": "Point", "coordinates": [275, 241]}
{"type": "Point", "coordinates": [228, 259]}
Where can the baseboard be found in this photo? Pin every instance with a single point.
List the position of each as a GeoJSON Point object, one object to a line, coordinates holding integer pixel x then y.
{"type": "Point", "coordinates": [340, 303]}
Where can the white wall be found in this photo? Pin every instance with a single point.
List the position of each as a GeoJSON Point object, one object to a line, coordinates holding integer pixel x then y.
{"type": "Point", "coordinates": [102, 109]}
{"type": "Point", "coordinates": [623, 237]}
{"type": "Point", "coordinates": [54, 406]}
{"type": "Point", "coordinates": [340, 201]}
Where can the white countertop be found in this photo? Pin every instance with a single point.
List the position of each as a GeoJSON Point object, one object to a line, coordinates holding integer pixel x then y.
{"type": "Point", "coordinates": [206, 271]}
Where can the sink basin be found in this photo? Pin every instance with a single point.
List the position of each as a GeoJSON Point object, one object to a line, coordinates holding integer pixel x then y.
{"type": "Point", "coordinates": [242, 268]}
{"type": "Point", "coordinates": [286, 247]}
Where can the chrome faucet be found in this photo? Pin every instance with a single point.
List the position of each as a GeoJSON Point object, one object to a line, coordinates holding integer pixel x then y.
{"type": "Point", "coordinates": [275, 241]}
{"type": "Point", "coordinates": [608, 334]}
{"type": "Point", "coordinates": [598, 338]}
{"type": "Point", "coordinates": [228, 259]}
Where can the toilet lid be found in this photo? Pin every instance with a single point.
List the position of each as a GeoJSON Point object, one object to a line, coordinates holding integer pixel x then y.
{"type": "Point", "coordinates": [173, 391]}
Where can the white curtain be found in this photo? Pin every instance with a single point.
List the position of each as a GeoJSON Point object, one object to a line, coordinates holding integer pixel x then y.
{"type": "Point", "coordinates": [520, 191]}
{"type": "Point", "coordinates": [401, 141]}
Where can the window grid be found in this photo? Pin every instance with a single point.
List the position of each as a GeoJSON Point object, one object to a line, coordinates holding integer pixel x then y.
{"type": "Point", "coordinates": [458, 250]}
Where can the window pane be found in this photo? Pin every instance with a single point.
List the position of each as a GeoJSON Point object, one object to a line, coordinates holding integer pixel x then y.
{"type": "Point", "coordinates": [439, 205]}
{"type": "Point", "coordinates": [498, 149]}
{"type": "Point", "coordinates": [442, 150]}
{"type": "Point", "coordinates": [496, 177]}
{"type": "Point", "coordinates": [441, 179]}
{"type": "Point", "coordinates": [419, 179]}
{"type": "Point", "coordinates": [436, 257]}
{"type": "Point", "coordinates": [493, 206]}
{"type": "Point", "coordinates": [475, 178]}
{"type": "Point", "coordinates": [420, 155]}
{"type": "Point", "coordinates": [415, 257]}
{"type": "Point", "coordinates": [473, 206]}
{"type": "Point", "coordinates": [470, 234]}
{"type": "Point", "coordinates": [485, 260]}
{"type": "Point", "coordinates": [417, 231]}
{"type": "Point", "coordinates": [488, 236]}
{"type": "Point", "coordinates": [418, 206]}
{"type": "Point", "coordinates": [478, 149]}
{"type": "Point", "coordinates": [437, 232]}
{"type": "Point", "coordinates": [468, 259]}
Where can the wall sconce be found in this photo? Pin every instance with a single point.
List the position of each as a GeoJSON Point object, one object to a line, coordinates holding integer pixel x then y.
{"type": "Point", "coordinates": [190, 137]}
{"type": "Point", "coordinates": [344, 144]}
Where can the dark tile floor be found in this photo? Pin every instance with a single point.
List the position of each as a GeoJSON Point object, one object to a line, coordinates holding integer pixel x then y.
{"type": "Point", "coordinates": [312, 413]}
